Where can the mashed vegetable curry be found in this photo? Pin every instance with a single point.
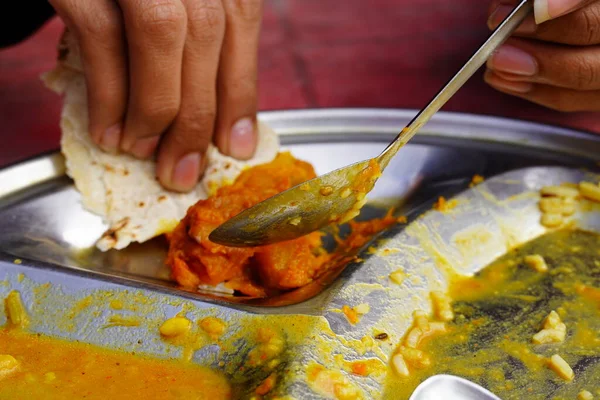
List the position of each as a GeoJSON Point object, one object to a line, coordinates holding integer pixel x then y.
{"type": "Point", "coordinates": [256, 271]}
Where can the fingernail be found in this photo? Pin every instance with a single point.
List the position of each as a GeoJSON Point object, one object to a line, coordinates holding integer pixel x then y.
{"type": "Point", "coordinates": [528, 26]}
{"type": "Point", "coordinates": [144, 147]}
{"type": "Point", "coordinates": [242, 139]}
{"type": "Point", "coordinates": [545, 10]}
{"type": "Point", "coordinates": [186, 172]}
{"type": "Point", "coordinates": [504, 85]}
{"type": "Point", "coordinates": [540, 11]}
{"type": "Point", "coordinates": [513, 60]}
{"type": "Point", "coordinates": [111, 138]}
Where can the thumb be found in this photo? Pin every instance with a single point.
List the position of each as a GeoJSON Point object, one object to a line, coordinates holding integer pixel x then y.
{"type": "Point", "coordinates": [545, 10]}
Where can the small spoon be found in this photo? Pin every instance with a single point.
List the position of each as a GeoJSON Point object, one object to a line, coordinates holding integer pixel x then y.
{"type": "Point", "coordinates": [450, 387]}
{"type": "Point", "coordinates": [338, 196]}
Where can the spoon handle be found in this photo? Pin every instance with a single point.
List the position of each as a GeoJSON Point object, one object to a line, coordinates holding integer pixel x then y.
{"type": "Point", "coordinates": [500, 34]}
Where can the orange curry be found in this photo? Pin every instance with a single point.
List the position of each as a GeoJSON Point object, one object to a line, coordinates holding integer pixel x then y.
{"type": "Point", "coordinates": [40, 367]}
{"type": "Point", "coordinates": [255, 271]}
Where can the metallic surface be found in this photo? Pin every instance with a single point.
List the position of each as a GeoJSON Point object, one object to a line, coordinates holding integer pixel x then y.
{"type": "Point", "coordinates": [47, 222]}
{"type": "Point", "coordinates": [43, 224]}
{"type": "Point", "coordinates": [449, 387]}
{"type": "Point", "coordinates": [317, 203]}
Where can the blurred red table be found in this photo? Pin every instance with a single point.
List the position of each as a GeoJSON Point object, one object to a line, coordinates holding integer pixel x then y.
{"type": "Point", "coordinates": [313, 53]}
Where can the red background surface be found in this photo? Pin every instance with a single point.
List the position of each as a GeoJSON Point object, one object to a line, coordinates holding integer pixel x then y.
{"type": "Point", "coordinates": [313, 54]}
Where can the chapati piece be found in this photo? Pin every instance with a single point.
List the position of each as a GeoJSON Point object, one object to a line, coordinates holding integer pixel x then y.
{"type": "Point", "coordinates": [121, 189]}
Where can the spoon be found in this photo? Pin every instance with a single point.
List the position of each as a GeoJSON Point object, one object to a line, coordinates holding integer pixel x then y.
{"type": "Point", "coordinates": [450, 387]}
{"type": "Point", "coordinates": [338, 196]}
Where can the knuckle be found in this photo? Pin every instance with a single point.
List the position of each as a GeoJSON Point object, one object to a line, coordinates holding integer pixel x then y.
{"type": "Point", "coordinates": [190, 140]}
{"type": "Point", "coordinates": [98, 27]}
{"type": "Point", "coordinates": [159, 112]}
{"type": "Point", "coordinates": [96, 23]}
{"type": "Point", "coordinates": [589, 25]}
{"type": "Point", "coordinates": [242, 91]}
{"type": "Point", "coordinates": [161, 17]}
{"type": "Point", "coordinates": [206, 19]}
{"type": "Point", "coordinates": [247, 10]}
{"type": "Point", "coordinates": [194, 129]}
{"type": "Point", "coordinates": [197, 120]}
{"type": "Point", "coordinates": [102, 96]}
{"type": "Point", "coordinates": [585, 74]}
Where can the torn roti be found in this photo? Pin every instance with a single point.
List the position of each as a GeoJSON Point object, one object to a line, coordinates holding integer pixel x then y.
{"type": "Point", "coordinates": [122, 189]}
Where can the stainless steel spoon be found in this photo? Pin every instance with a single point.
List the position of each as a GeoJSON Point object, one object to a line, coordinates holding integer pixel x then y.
{"type": "Point", "coordinates": [338, 196]}
{"type": "Point", "coordinates": [450, 387]}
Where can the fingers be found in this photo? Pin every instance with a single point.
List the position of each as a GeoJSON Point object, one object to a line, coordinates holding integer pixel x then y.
{"type": "Point", "coordinates": [546, 10]}
{"type": "Point", "coordinates": [537, 62]}
{"type": "Point", "coordinates": [155, 32]}
{"type": "Point", "coordinates": [236, 131]}
{"type": "Point", "coordinates": [157, 71]}
{"type": "Point", "coordinates": [560, 99]}
{"type": "Point", "coordinates": [539, 67]}
{"type": "Point", "coordinates": [98, 27]}
{"type": "Point", "coordinates": [181, 155]}
{"type": "Point", "coordinates": [221, 46]}
{"type": "Point", "coordinates": [576, 28]}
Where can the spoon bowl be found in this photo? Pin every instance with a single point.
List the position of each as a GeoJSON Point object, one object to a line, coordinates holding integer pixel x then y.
{"type": "Point", "coordinates": [332, 198]}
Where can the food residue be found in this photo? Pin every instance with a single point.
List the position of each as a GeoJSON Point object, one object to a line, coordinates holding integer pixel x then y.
{"type": "Point", "coordinates": [16, 313]}
{"type": "Point", "coordinates": [443, 205]}
{"type": "Point", "coordinates": [175, 327]}
{"type": "Point", "coordinates": [559, 202]}
{"type": "Point", "coordinates": [536, 262]}
{"type": "Point", "coordinates": [517, 332]}
{"type": "Point", "coordinates": [398, 276]}
{"type": "Point", "coordinates": [353, 314]}
{"type": "Point", "coordinates": [39, 367]}
{"type": "Point", "coordinates": [476, 180]}
{"type": "Point", "coordinates": [554, 330]}
{"type": "Point", "coordinates": [213, 326]}
{"type": "Point", "coordinates": [561, 367]}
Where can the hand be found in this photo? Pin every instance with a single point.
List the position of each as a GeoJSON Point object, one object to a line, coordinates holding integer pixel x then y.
{"type": "Point", "coordinates": [169, 76]}
{"type": "Point", "coordinates": [554, 62]}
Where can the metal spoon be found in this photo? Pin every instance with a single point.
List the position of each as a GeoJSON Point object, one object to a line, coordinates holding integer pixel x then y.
{"type": "Point", "coordinates": [339, 195]}
{"type": "Point", "coordinates": [450, 387]}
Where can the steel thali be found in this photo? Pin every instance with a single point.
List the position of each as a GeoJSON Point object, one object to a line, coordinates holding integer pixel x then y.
{"type": "Point", "coordinates": [44, 226]}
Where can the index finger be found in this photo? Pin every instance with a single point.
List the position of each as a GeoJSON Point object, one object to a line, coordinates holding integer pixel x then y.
{"type": "Point", "coordinates": [181, 155]}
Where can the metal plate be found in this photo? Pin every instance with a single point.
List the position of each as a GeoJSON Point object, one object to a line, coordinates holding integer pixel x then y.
{"type": "Point", "coordinates": [42, 221]}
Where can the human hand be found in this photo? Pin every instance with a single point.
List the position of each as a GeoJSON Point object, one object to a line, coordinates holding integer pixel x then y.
{"type": "Point", "coordinates": [555, 61]}
{"type": "Point", "coordinates": [167, 77]}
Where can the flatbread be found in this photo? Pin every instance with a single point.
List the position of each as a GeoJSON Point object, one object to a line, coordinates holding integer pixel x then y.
{"type": "Point", "coordinates": [122, 189]}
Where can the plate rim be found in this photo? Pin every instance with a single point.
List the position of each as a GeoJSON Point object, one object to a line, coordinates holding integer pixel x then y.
{"type": "Point", "coordinates": [303, 125]}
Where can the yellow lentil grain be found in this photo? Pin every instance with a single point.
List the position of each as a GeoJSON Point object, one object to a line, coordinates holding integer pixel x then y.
{"type": "Point", "coordinates": [536, 262]}
{"type": "Point", "coordinates": [590, 191]}
{"type": "Point", "coordinates": [176, 326]}
{"type": "Point", "coordinates": [561, 367]}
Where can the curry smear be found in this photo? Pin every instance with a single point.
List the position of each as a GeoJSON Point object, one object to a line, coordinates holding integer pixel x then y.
{"type": "Point", "coordinates": [499, 311]}
{"type": "Point", "coordinates": [38, 367]}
